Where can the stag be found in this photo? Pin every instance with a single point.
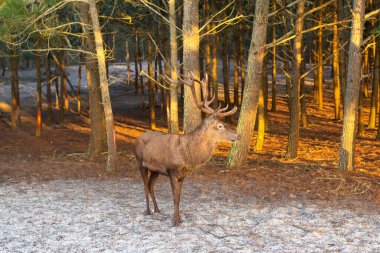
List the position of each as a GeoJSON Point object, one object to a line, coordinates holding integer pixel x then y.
{"type": "Point", "coordinates": [177, 156]}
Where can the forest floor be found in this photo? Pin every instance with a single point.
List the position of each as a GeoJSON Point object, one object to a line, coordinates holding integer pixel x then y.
{"type": "Point", "coordinates": [52, 198]}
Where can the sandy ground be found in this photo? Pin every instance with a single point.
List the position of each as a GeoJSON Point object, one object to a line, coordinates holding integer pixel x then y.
{"type": "Point", "coordinates": [108, 216]}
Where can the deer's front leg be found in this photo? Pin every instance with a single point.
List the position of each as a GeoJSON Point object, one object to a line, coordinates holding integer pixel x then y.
{"type": "Point", "coordinates": [176, 188]}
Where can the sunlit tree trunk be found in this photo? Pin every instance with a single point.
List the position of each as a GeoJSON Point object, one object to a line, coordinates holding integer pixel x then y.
{"type": "Point", "coordinates": [346, 152]}
{"type": "Point", "coordinates": [226, 74]}
{"type": "Point", "coordinates": [63, 90]}
{"type": "Point", "coordinates": [192, 115]}
{"type": "Point", "coordinates": [93, 84]}
{"type": "Point", "coordinates": [274, 63]}
{"type": "Point", "coordinates": [375, 88]}
{"type": "Point", "coordinates": [343, 37]}
{"type": "Point", "coordinates": [294, 105]}
{"type": "Point", "coordinates": [336, 65]}
{"type": "Point", "coordinates": [111, 140]}
{"type": "Point", "coordinates": [241, 50]}
{"type": "Point", "coordinates": [214, 69]}
{"type": "Point", "coordinates": [320, 59]}
{"type": "Point", "coordinates": [79, 83]}
{"type": "Point", "coordinates": [174, 125]}
{"type": "Point", "coordinates": [236, 59]}
{"type": "Point", "coordinates": [261, 115]}
{"type": "Point", "coordinates": [239, 151]}
{"type": "Point", "coordinates": [38, 131]}
{"type": "Point", "coordinates": [152, 117]}
{"type": "Point", "coordinates": [304, 122]}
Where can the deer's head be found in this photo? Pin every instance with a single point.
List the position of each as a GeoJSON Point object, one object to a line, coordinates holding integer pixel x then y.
{"type": "Point", "coordinates": [213, 124]}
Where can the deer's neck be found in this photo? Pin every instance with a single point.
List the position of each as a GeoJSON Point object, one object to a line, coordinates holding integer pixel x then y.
{"type": "Point", "coordinates": [198, 147]}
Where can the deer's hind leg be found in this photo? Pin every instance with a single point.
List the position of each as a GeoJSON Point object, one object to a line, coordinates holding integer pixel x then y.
{"type": "Point", "coordinates": [152, 179]}
{"type": "Point", "coordinates": [144, 173]}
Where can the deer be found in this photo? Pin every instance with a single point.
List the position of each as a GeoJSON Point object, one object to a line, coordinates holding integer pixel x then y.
{"type": "Point", "coordinates": [178, 155]}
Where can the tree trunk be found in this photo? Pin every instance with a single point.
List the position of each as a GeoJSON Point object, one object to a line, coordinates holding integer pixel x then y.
{"type": "Point", "coordinates": [304, 122]}
{"type": "Point", "coordinates": [141, 58]}
{"type": "Point", "coordinates": [226, 74]}
{"type": "Point", "coordinates": [293, 137]}
{"type": "Point", "coordinates": [336, 69]}
{"type": "Point", "coordinates": [214, 70]}
{"type": "Point", "coordinates": [261, 116]}
{"type": "Point", "coordinates": [13, 63]}
{"type": "Point", "coordinates": [274, 63]}
{"type": "Point", "coordinates": [38, 131]}
{"type": "Point", "coordinates": [241, 50]}
{"type": "Point", "coordinates": [48, 89]}
{"type": "Point", "coordinates": [360, 111]}
{"type": "Point", "coordinates": [192, 115]}
{"type": "Point", "coordinates": [79, 82]}
{"type": "Point", "coordinates": [375, 88]}
{"type": "Point", "coordinates": [343, 38]}
{"type": "Point", "coordinates": [136, 54]}
{"type": "Point", "coordinates": [346, 152]}
{"type": "Point", "coordinates": [239, 151]}
{"type": "Point", "coordinates": [111, 140]}
{"type": "Point", "coordinates": [152, 117]}
{"type": "Point", "coordinates": [174, 125]}
{"type": "Point", "coordinates": [63, 91]}
{"type": "Point", "coordinates": [236, 56]}
{"type": "Point", "coordinates": [96, 112]}
{"type": "Point", "coordinates": [320, 59]}
{"type": "Point", "coordinates": [128, 61]}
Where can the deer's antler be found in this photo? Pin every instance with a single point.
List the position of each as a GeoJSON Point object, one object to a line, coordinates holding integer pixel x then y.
{"type": "Point", "coordinates": [204, 105]}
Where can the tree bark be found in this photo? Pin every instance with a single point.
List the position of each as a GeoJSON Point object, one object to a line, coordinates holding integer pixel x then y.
{"type": "Point", "coordinates": [128, 61]}
{"type": "Point", "coordinates": [375, 88]}
{"type": "Point", "coordinates": [111, 140]}
{"type": "Point", "coordinates": [93, 84]}
{"type": "Point", "coordinates": [192, 115]}
{"type": "Point", "coordinates": [346, 152]}
{"type": "Point", "coordinates": [214, 72]}
{"type": "Point", "coordinates": [293, 137]}
{"type": "Point", "coordinates": [304, 122]}
{"type": "Point", "coordinates": [63, 91]}
{"type": "Point", "coordinates": [239, 151]}
{"type": "Point", "coordinates": [261, 116]}
{"type": "Point", "coordinates": [320, 59]}
{"type": "Point", "coordinates": [274, 63]}
{"type": "Point", "coordinates": [13, 64]}
{"type": "Point", "coordinates": [174, 125]}
{"type": "Point", "coordinates": [79, 82]}
{"type": "Point", "coordinates": [226, 74]}
{"type": "Point", "coordinates": [152, 118]}
{"type": "Point", "coordinates": [48, 88]}
{"type": "Point", "coordinates": [343, 37]}
{"type": "Point", "coordinates": [136, 56]}
{"type": "Point", "coordinates": [336, 66]}
{"type": "Point", "coordinates": [38, 131]}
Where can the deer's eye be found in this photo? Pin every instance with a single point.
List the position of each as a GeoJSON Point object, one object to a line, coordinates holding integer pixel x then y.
{"type": "Point", "coordinates": [220, 126]}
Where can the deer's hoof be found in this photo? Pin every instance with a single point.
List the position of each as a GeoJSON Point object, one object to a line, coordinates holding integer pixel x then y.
{"type": "Point", "coordinates": [176, 222]}
{"type": "Point", "coordinates": [148, 212]}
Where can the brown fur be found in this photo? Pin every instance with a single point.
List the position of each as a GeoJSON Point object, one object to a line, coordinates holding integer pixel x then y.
{"type": "Point", "coordinates": [177, 156]}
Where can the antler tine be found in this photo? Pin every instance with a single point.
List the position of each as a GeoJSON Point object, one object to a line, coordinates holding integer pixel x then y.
{"type": "Point", "coordinates": [220, 114]}
{"type": "Point", "coordinates": [221, 110]}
